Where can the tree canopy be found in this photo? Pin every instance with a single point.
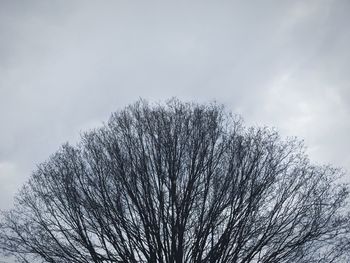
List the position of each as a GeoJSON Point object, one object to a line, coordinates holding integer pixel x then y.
{"type": "Point", "coordinates": [179, 182]}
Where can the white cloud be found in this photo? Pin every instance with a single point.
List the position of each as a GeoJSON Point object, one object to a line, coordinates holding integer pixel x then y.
{"type": "Point", "coordinates": [66, 66]}
{"type": "Point", "coordinates": [11, 179]}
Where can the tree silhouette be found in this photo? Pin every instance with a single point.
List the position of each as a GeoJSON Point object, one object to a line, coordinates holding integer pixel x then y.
{"type": "Point", "coordinates": [179, 182]}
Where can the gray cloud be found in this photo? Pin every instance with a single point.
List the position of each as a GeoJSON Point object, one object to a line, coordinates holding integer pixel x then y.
{"type": "Point", "coordinates": [65, 65]}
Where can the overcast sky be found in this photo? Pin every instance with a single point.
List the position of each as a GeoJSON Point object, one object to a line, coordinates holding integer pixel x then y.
{"type": "Point", "coordinates": [66, 65]}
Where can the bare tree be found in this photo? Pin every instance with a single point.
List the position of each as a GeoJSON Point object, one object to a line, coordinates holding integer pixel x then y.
{"type": "Point", "coordinates": [179, 182]}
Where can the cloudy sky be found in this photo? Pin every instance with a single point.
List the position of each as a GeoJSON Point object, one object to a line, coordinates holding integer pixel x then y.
{"type": "Point", "coordinates": [66, 65]}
